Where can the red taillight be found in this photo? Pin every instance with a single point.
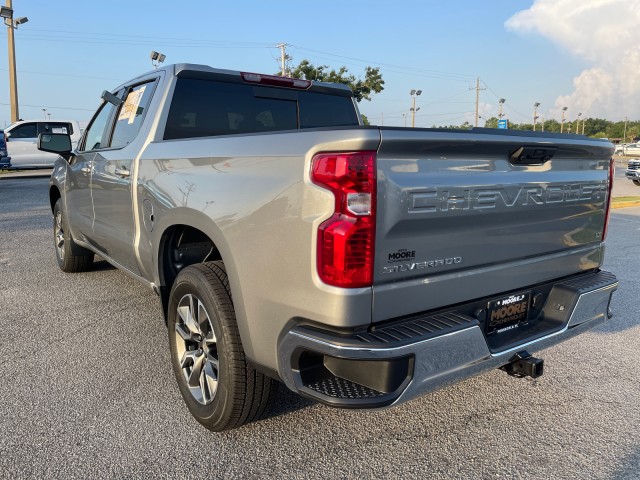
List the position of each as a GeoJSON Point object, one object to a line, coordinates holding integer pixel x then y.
{"type": "Point", "coordinates": [607, 213]}
{"type": "Point", "coordinates": [346, 240]}
{"type": "Point", "coordinates": [275, 80]}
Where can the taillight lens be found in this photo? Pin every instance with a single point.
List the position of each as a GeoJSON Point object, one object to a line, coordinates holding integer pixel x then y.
{"type": "Point", "coordinates": [346, 240]}
{"type": "Point", "coordinates": [607, 213]}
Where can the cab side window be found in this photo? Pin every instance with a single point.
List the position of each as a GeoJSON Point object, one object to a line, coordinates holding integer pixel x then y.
{"type": "Point", "coordinates": [26, 130]}
{"type": "Point", "coordinates": [131, 114]}
{"type": "Point", "coordinates": [97, 133]}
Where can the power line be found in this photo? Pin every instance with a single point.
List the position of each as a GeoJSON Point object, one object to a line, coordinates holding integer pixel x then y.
{"type": "Point", "coordinates": [107, 36]}
{"type": "Point", "coordinates": [162, 43]}
{"type": "Point", "coordinates": [65, 75]}
{"type": "Point", "coordinates": [526, 117]}
{"type": "Point", "coordinates": [49, 106]}
{"type": "Point", "coordinates": [97, 37]}
{"type": "Point", "coordinates": [462, 77]}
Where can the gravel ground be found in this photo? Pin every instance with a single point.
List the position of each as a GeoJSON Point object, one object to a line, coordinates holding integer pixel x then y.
{"type": "Point", "coordinates": [86, 389]}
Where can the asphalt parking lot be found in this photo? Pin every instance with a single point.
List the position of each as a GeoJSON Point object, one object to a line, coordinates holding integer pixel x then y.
{"type": "Point", "coordinates": [86, 389]}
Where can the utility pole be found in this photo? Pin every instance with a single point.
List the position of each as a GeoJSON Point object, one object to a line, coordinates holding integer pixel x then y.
{"type": "Point", "coordinates": [583, 120]}
{"type": "Point", "coordinates": [478, 97]}
{"type": "Point", "coordinates": [624, 136]}
{"type": "Point", "coordinates": [382, 118]}
{"type": "Point", "coordinates": [501, 103]}
{"type": "Point", "coordinates": [283, 57]}
{"type": "Point", "coordinates": [542, 123]}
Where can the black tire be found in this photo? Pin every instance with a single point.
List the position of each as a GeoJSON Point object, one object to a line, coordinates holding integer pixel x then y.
{"type": "Point", "coordinates": [71, 256]}
{"type": "Point", "coordinates": [637, 182]}
{"type": "Point", "coordinates": [231, 393]}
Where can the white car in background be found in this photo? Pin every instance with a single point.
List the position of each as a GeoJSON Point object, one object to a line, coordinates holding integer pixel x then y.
{"type": "Point", "coordinates": [619, 149]}
{"type": "Point", "coordinates": [22, 141]}
{"type": "Point", "coordinates": [630, 149]}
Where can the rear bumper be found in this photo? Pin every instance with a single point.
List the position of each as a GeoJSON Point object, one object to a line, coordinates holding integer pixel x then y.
{"type": "Point", "coordinates": [409, 358]}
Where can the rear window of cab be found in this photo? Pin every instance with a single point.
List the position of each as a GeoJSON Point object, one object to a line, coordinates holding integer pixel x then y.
{"type": "Point", "coordinates": [202, 108]}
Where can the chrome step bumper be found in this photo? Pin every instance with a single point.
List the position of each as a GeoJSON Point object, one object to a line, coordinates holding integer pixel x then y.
{"type": "Point", "coordinates": [395, 363]}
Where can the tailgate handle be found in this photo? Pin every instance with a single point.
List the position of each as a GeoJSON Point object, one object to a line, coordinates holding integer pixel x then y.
{"type": "Point", "coordinates": [532, 155]}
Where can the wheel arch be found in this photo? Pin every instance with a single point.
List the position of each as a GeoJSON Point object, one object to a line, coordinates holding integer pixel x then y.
{"type": "Point", "coordinates": [190, 237]}
{"type": "Point", "coordinates": [54, 195]}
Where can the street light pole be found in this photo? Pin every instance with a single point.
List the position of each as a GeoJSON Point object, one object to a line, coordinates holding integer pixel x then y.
{"type": "Point", "coordinates": [578, 123]}
{"type": "Point", "coordinates": [501, 103]}
{"type": "Point", "coordinates": [414, 94]}
{"type": "Point", "coordinates": [13, 79]}
{"type": "Point", "coordinates": [564, 109]}
{"type": "Point", "coordinates": [535, 114]}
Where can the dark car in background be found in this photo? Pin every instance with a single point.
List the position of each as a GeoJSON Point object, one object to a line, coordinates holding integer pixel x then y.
{"type": "Point", "coordinates": [5, 159]}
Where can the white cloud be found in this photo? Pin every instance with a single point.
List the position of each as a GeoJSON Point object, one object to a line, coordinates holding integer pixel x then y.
{"type": "Point", "coordinates": [603, 32]}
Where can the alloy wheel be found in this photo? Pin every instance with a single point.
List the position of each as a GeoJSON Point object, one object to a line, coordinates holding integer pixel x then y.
{"type": "Point", "coordinates": [59, 236]}
{"type": "Point", "coordinates": [197, 350]}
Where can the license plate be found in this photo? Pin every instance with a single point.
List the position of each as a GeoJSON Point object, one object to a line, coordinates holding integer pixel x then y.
{"type": "Point", "coordinates": [507, 313]}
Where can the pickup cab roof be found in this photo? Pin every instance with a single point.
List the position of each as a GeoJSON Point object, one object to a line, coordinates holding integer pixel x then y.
{"type": "Point", "coordinates": [192, 70]}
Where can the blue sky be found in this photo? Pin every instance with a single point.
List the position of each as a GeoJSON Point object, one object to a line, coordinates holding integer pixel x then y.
{"type": "Point", "coordinates": [70, 51]}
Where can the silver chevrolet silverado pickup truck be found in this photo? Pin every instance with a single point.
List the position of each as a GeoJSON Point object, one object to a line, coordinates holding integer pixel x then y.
{"type": "Point", "coordinates": [360, 266]}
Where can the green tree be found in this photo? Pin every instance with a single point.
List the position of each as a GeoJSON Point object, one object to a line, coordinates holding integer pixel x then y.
{"type": "Point", "coordinates": [491, 123]}
{"type": "Point", "coordinates": [365, 120]}
{"type": "Point", "coordinates": [633, 132]}
{"type": "Point", "coordinates": [596, 125]}
{"type": "Point", "coordinates": [362, 89]}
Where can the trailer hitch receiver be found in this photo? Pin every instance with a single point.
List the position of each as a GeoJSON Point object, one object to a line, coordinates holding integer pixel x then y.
{"type": "Point", "coordinates": [522, 364]}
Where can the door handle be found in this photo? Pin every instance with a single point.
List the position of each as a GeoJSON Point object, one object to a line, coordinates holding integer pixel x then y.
{"type": "Point", "coordinates": [123, 172]}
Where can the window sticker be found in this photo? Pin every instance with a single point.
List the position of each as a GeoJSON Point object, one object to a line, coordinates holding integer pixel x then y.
{"type": "Point", "coordinates": [130, 108]}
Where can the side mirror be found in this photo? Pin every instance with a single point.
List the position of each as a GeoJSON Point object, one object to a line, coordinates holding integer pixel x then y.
{"type": "Point", "coordinates": [7, 136]}
{"type": "Point", "coordinates": [111, 98]}
{"type": "Point", "coordinates": [59, 143]}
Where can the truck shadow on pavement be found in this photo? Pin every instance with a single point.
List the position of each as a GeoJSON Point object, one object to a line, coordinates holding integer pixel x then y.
{"type": "Point", "coordinates": [101, 265]}
{"type": "Point", "coordinates": [630, 468]}
{"type": "Point", "coordinates": [285, 401]}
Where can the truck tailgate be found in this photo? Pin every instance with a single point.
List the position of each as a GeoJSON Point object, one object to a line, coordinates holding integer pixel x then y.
{"type": "Point", "coordinates": [460, 216]}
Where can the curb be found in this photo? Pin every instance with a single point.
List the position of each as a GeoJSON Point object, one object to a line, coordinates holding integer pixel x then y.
{"type": "Point", "coordinates": [630, 203]}
{"type": "Point", "coordinates": [27, 174]}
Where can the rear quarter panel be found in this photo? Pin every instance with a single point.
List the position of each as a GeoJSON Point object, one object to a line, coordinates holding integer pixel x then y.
{"type": "Point", "coordinates": [252, 195]}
